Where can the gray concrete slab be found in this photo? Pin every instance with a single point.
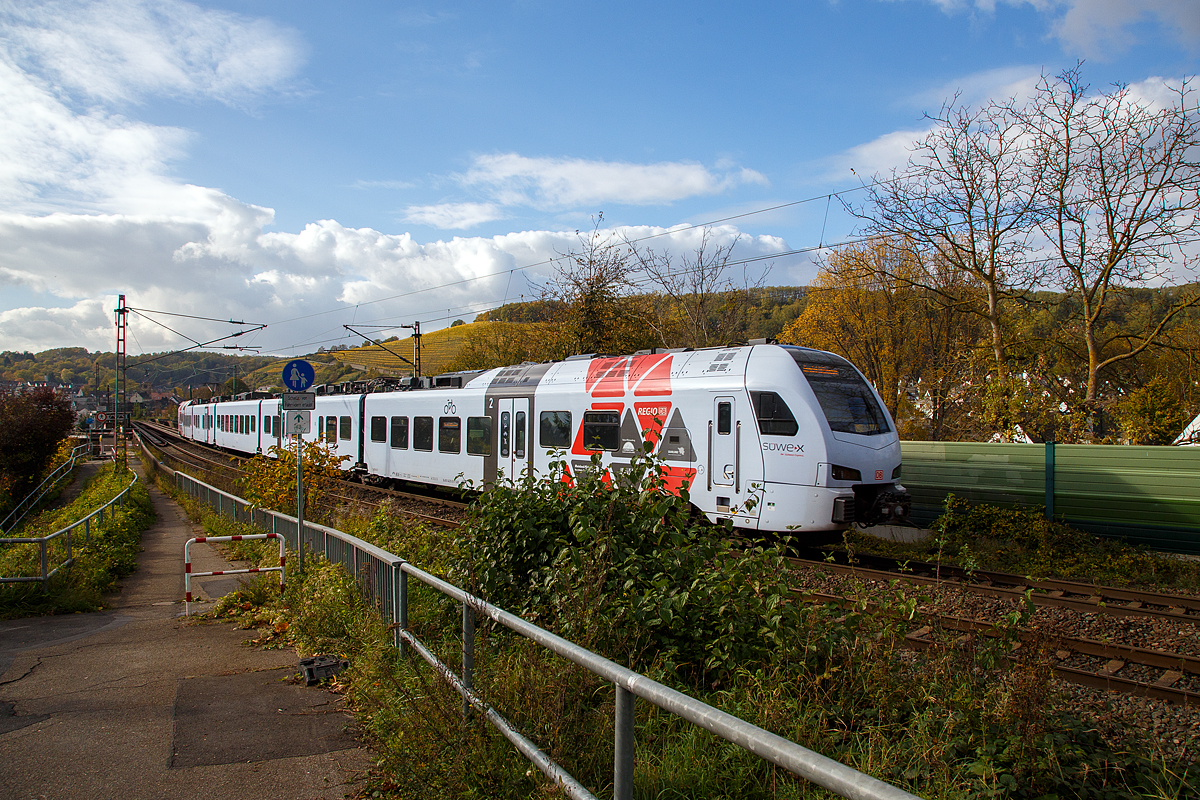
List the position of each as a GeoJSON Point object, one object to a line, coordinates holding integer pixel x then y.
{"type": "Point", "coordinates": [211, 714]}
{"type": "Point", "coordinates": [90, 703]}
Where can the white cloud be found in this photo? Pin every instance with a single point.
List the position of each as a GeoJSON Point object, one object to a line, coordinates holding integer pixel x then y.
{"type": "Point", "coordinates": [978, 88]}
{"type": "Point", "coordinates": [1098, 28]}
{"type": "Point", "coordinates": [122, 50]}
{"type": "Point", "coordinates": [876, 157]}
{"type": "Point", "coordinates": [63, 66]}
{"type": "Point", "coordinates": [510, 180]}
{"type": "Point", "coordinates": [514, 179]}
{"type": "Point", "coordinates": [230, 266]}
{"type": "Point", "coordinates": [453, 215]}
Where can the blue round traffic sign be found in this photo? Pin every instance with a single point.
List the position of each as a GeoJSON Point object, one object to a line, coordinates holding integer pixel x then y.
{"type": "Point", "coordinates": [298, 375]}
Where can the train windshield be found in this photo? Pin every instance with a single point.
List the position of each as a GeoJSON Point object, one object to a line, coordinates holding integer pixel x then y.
{"type": "Point", "coordinates": [848, 403]}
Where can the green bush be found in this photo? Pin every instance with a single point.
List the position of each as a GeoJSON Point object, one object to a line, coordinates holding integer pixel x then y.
{"type": "Point", "coordinates": [622, 565]}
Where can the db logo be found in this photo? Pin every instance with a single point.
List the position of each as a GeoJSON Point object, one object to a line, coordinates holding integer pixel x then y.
{"type": "Point", "coordinates": [878, 474]}
{"type": "Point", "coordinates": [450, 410]}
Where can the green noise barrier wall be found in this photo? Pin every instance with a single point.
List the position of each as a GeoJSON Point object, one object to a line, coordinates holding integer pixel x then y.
{"type": "Point", "coordinates": [1146, 495]}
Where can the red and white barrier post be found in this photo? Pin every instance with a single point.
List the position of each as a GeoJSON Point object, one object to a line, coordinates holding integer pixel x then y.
{"type": "Point", "coordinates": [187, 562]}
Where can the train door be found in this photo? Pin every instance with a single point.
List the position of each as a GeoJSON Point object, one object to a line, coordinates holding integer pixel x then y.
{"type": "Point", "coordinates": [724, 462]}
{"type": "Point", "coordinates": [514, 444]}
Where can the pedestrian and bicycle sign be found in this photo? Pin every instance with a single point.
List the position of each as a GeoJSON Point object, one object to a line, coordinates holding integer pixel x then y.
{"type": "Point", "coordinates": [296, 422]}
{"type": "Point", "coordinates": [298, 375]}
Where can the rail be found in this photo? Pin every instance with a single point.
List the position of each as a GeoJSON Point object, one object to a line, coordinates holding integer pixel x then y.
{"type": "Point", "coordinates": [383, 577]}
{"type": "Point", "coordinates": [43, 542]}
{"type": "Point", "coordinates": [33, 498]}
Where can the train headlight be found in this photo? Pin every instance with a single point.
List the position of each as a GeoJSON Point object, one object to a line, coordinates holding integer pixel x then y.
{"type": "Point", "coordinates": [845, 473]}
{"type": "Point", "coordinates": [896, 471]}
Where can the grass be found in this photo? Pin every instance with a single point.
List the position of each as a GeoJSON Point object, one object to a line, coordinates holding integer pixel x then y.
{"type": "Point", "coordinates": [108, 555]}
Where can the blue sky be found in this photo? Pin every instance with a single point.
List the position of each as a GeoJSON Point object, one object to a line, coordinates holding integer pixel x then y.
{"type": "Point", "coordinates": [273, 161]}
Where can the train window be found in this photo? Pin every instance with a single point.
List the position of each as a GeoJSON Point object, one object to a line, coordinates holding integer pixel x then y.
{"type": "Point", "coordinates": [556, 429]}
{"type": "Point", "coordinates": [278, 429]}
{"type": "Point", "coordinates": [267, 425]}
{"type": "Point", "coordinates": [724, 418]}
{"type": "Point", "coordinates": [400, 433]}
{"type": "Point", "coordinates": [423, 433]}
{"type": "Point", "coordinates": [449, 435]}
{"type": "Point", "coordinates": [320, 425]}
{"type": "Point", "coordinates": [331, 430]}
{"type": "Point", "coordinates": [379, 429]}
{"type": "Point", "coordinates": [344, 429]}
{"type": "Point", "coordinates": [601, 430]}
{"type": "Point", "coordinates": [774, 417]}
{"type": "Point", "coordinates": [238, 421]}
{"type": "Point", "coordinates": [848, 403]}
{"type": "Point", "coordinates": [253, 422]}
{"type": "Point", "coordinates": [479, 436]}
{"type": "Point", "coordinates": [505, 433]}
{"type": "Point", "coordinates": [519, 435]}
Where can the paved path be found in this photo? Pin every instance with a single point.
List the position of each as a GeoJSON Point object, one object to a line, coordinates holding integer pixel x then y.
{"type": "Point", "coordinates": [134, 702]}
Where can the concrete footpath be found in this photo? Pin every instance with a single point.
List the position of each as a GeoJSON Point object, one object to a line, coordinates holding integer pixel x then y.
{"type": "Point", "coordinates": [135, 702]}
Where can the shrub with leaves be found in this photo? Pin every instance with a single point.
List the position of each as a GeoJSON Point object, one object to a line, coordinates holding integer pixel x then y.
{"type": "Point", "coordinates": [31, 427]}
{"type": "Point", "coordinates": [599, 557]}
{"type": "Point", "coordinates": [271, 482]}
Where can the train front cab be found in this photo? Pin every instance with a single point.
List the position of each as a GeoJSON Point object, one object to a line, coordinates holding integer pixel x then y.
{"type": "Point", "coordinates": [831, 455]}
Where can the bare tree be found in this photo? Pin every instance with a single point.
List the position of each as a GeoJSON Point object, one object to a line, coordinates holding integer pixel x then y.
{"type": "Point", "coordinates": [700, 300]}
{"type": "Point", "coordinates": [591, 290]}
{"type": "Point", "coordinates": [1119, 199]}
{"type": "Point", "coordinates": [968, 197]}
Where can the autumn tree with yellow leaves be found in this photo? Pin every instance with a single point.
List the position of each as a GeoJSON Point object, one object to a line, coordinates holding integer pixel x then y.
{"type": "Point", "coordinates": [270, 482]}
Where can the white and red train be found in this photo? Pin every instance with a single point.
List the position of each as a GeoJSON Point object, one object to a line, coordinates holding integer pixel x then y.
{"type": "Point", "coordinates": [797, 431]}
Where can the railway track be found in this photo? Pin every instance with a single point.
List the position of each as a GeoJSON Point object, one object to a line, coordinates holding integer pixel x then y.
{"type": "Point", "coordinates": [1077, 596]}
{"type": "Point", "coordinates": [1143, 672]}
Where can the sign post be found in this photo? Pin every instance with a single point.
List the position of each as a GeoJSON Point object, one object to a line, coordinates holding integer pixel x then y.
{"type": "Point", "coordinates": [298, 375]}
{"type": "Point", "coordinates": [299, 501]}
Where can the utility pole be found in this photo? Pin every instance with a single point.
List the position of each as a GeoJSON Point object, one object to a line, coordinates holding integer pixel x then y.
{"type": "Point", "coordinates": [119, 454]}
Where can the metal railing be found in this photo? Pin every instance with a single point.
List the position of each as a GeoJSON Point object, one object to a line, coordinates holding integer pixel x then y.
{"type": "Point", "coordinates": [383, 578]}
{"type": "Point", "coordinates": [33, 498]}
{"type": "Point", "coordinates": [43, 542]}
